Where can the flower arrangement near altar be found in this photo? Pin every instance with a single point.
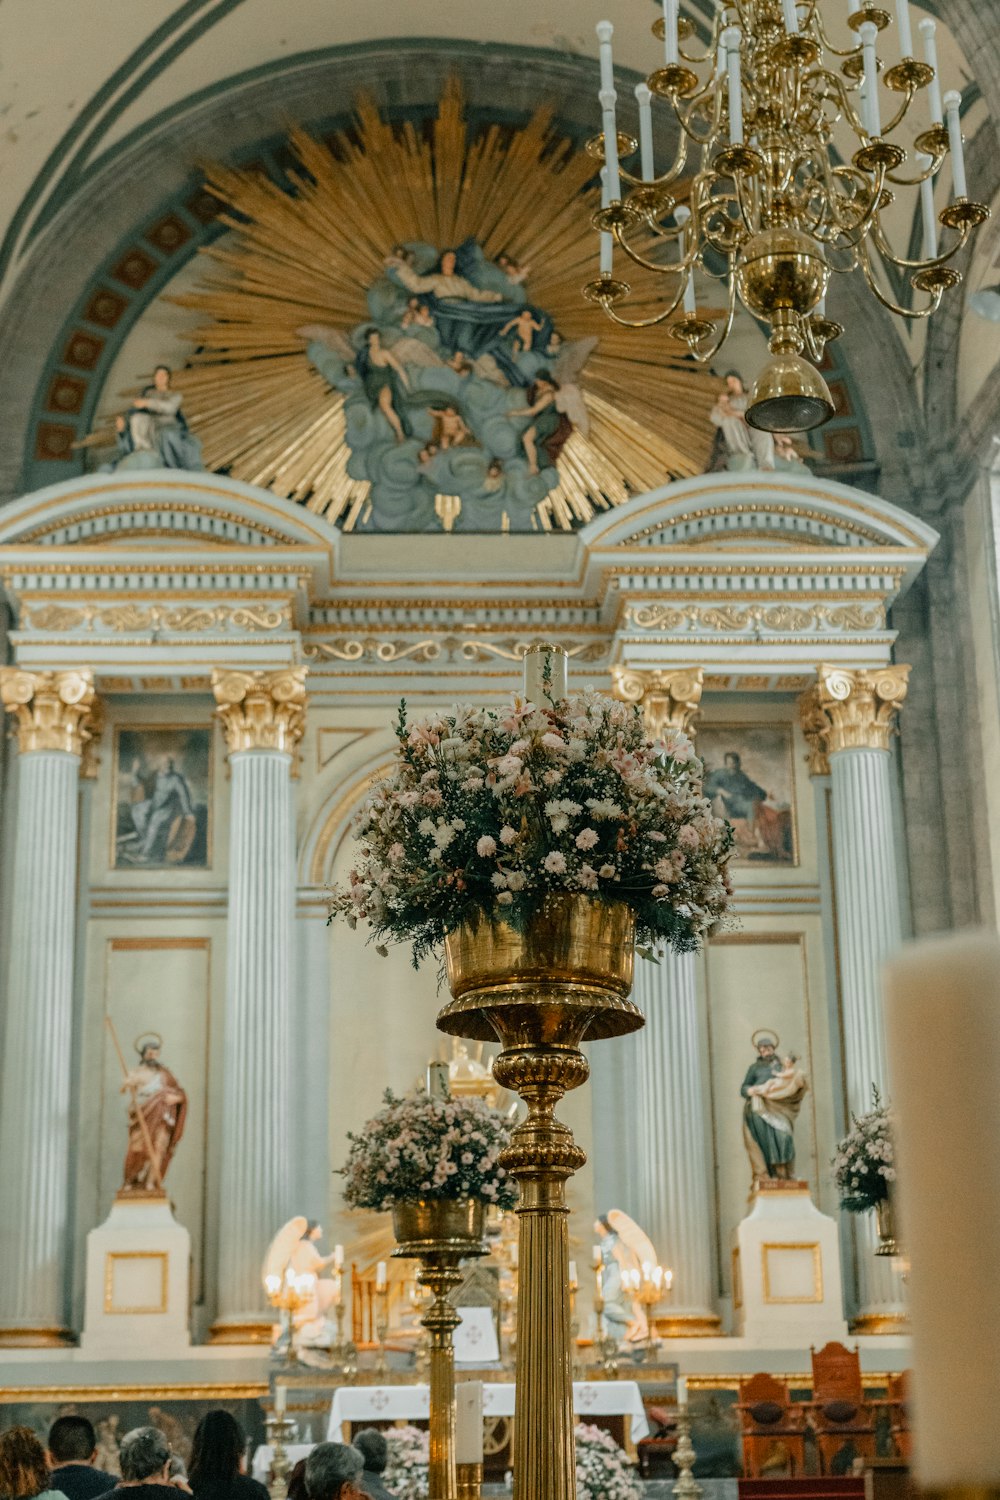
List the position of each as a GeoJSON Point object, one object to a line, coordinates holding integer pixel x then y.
{"type": "Point", "coordinates": [864, 1164]}
{"type": "Point", "coordinates": [602, 1470]}
{"type": "Point", "coordinates": [423, 1147]}
{"type": "Point", "coordinates": [406, 1471]}
{"type": "Point", "coordinates": [488, 811]}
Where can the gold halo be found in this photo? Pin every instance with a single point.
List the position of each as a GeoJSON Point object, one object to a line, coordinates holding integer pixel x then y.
{"type": "Point", "coordinates": [766, 1031]}
{"type": "Point", "coordinates": [147, 1039]}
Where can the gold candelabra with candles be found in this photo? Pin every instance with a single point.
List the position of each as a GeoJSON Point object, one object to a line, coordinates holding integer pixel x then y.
{"type": "Point", "coordinates": [782, 175]}
{"type": "Point", "coordinates": [649, 1286]}
{"type": "Point", "coordinates": [344, 1353]}
{"type": "Point", "coordinates": [381, 1310]}
{"type": "Point", "coordinates": [279, 1427]}
{"type": "Point", "coordinates": [686, 1487]}
{"type": "Point", "coordinates": [289, 1293]}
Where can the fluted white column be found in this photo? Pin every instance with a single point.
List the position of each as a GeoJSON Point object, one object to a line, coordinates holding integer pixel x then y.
{"type": "Point", "coordinates": [263, 716]}
{"type": "Point", "coordinates": [861, 709]}
{"type": "Point", "coordinates": [665, 1137]}
{"type": "Point", "coordinates": [35, 1128]}
{"type": "Point", "coordinates": [665, 1129]}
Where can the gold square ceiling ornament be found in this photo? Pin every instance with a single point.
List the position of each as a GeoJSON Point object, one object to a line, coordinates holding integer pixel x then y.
{"type": "Point", "coordinates": [401, 336]}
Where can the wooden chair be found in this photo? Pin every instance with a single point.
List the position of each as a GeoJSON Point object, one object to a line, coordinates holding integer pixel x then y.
{"type": "Point", "coordinates": [773, 1429]}
{"type": "Point", "coordinates": [898, 1402]}
{"type": "Point", "coordinates": [840, 1417]}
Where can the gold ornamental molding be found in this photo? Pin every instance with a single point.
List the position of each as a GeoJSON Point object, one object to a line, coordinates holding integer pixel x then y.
{"type": "Point", "coordinates": [772, 618]}
{"type": "Point", "coordinates": [670, 700]}
{"type": "Point", "coordinates": [815, 729]}
{"type": "Point", "coordinates": [860, 707]}
{"type": "Point", "coordinates": [52, 710]}
{"type": "Point", "coordinates": [262, 710]}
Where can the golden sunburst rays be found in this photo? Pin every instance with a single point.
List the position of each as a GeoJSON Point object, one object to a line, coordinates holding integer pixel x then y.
{"type": "Point", "coordinates": [309, 255]}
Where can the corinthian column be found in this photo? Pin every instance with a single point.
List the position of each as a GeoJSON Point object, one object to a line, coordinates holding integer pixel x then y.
{"type": "Point", "coordinates": [53, 712]}
{"type": "Point", "coordinates": [669, 1191]}
{"type": "Point", "coordinates": [263, 716]}
{"type": "Point", "coordinates": [850, 716]}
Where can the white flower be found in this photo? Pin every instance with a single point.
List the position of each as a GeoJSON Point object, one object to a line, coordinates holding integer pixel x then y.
{"type": "Point", "coordinates": [426, 827]}
{"type": "Point", "coordinates": [586, 839]}
{"type": "Point", "coordinates": [555, 862]}
{"type": "Point", "coordinates": [443, 835]}
{"type": "Point", "coordinates": [486, 846]}
{"type": "Point", "coordinates": [508, 835]}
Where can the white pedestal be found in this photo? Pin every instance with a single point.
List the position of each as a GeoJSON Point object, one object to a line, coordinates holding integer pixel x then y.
{"type": "Point", "coordinates": [138, 1278]}
{"type": "Point", "coordinates": [786, 1271]}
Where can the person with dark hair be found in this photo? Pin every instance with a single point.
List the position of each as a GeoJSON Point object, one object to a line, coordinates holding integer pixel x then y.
{"type": "Point", "coordinates": [73, 1459]}
{"type": "Point", "coordinates": [333, 1472]}
{"type": "Point", "coordinates": [24, 1473]}
{"type": "Point", "coordinates": [297, 1482]}
{"type": "Point", "coordinates": [374, 1449]}
{"type": "Point", "coordinates": [145, 1461]}
{"type": "Point", "coordinates": [218, 1461]}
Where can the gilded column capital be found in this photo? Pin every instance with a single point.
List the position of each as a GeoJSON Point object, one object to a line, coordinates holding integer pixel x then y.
{"type": "Point", "coordinates": [815, 724]}
{"type": "Point", "coordinates": [262, 710]}
{"type": "Point", "coordinates": [52, 710]}
{"type": "Point", "coordinates": [669, 699]}
{"type": "Point", "coordinates": [862, 705]}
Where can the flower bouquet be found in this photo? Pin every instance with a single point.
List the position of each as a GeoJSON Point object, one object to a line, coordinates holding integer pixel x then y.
{"type": "Point", "coordinates": [602, 1470]}
{"type": "Point", "coordinates": [489, 811]}
{"type": "Point", "coordinates": [428, 1148]}
{"type": "Point", "coordinates": [406, 1471]}
{"type": "Point", "coordinates": [864, 1164]}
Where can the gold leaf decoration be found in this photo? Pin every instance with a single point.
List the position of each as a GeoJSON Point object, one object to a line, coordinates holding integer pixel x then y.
{"type": "Point", "coordinates": [307, 256]}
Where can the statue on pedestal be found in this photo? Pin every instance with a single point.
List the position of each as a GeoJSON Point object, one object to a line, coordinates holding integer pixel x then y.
{"type": "Point", "coordinates": [624, 1247]}
{"type": "Point", "coordinates": [773, 1091]}
{"type": "Point", "coordinates": [156, 1117]}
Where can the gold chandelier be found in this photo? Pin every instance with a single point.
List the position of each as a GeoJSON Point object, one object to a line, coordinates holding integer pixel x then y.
{"type": "Point", "coordinates": [793, 168]}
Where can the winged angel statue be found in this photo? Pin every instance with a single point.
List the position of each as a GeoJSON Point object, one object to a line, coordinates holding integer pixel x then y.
{"type": "Point", "coordinates": [456, 386]}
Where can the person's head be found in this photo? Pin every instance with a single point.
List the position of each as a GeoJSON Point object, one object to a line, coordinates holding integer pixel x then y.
{"type": "Point", "coordinates": [413, 304]}
{"type": "Point", "coordinates": [23, 1469]}
{"type": "Point", "coordinates": [297, 1482]}
{"type": "Point", "coordinates": [374, 1449]}
{"type": "Point", "coordinates": [333, 1471]}
{"type": "Point", "coordinates": [314, 1230]}
{"type": "Point", "coordinates": [504, 261]}
{"type": "Point", "coordinates": [72, 1440]}
{"type": "Point", "coordinates": [545, 383]}
{"type": "Point", "coordinates": [144, 1454]}
{"type": "Point", "coordinates": [602, 1226]}
{"type": "Point", "coordinates": [789, 1060]}
{"type": "Point", "coordinates": [148, 1048]}
{"type": "Point", "coordinates": [217, 1449]}
{"type": "Point", "coordinates": [161, 377]}
{"type": "Point", "coordinates": [732, 760]}
{"type": "Point", "coordinates": [766, 1048]}
{"type": "Point", "coordinates": [373, 338]}
{"type": "Point", "coordinates": [449, 260]}
{"type": "Point", "coordinates": [734, 383]}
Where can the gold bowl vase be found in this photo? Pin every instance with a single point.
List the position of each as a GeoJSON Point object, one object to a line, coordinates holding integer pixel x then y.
{"type": "Point", "coordinates": [885, 1226]}
{"type": "Point", "coordinates": [440, 1233]}
{"type": "Point", "coordinates": [541, 993]}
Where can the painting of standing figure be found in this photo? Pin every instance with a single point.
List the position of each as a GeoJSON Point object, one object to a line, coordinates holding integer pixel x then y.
{"type": "Point", "coordinates": [162, 798]}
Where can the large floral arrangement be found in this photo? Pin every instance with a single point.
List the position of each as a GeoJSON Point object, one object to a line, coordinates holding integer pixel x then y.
{"type": "Point", "coordinates": [602, 1470]}
{"type": "Point", "coordinates": [406, 1471]}
{"type": "Point", "coordinates": [423, 1147]}
{"type": "Point", "coordinates": [489, 809]}
{"type": "Point", "coordinates": [864, 1164]}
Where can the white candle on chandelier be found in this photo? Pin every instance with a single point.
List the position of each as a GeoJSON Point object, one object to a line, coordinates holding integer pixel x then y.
{"type": "Point", "coordinates": [927, 30]}
{"type": "Point", "coordinates": [903, 27]}
{"type": "Point", "coordinates": [927, 208]}
{"type": "Point", "coordinates": [952, 105]}
{"type": "Point", "coordinates": [644, 99]}
{"type": "Point", "coordinates": [682, 216]}
{"type": "Point", "coordinates": [609, 99]}
{"type": "Point", "coordinates": [732, 38]}
{"type": "Point", "coordinates": [605, 31]}
{"type": "Point", "coordinates": [872, 122]}
{"type": "Point", "coordinates": [790, 16]}
{"type": "Point", "coordinates": [670, 48]}
{"type": "Point", "coordinates": [607, 238]}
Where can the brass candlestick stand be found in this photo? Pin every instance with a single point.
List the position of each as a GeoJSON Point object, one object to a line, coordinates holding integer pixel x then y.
{"type": "Point", "coordinates": [381, 1332]}
{"type": "Point", "coordinates": [277, 1429]}
{"type": "Point", "coordinates": [470, 1481]}
{"type": "Point", "coordinates": [344, 1353]}
{"type": "Point", "coordinates": [541, 992]}
{"type": "Point", "coordinates": [687, 1487]}
{"type": "Point", "coordinates": [605, 1346]}
{"type": "Point", "coordinates": [440, 1233]}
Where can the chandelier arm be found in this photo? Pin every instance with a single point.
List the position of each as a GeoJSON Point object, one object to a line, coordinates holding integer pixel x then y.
{"type": "Point", "coordinates": [887, 302]}
{"type": "Point", "coordinates": [840, 94]}
{"type": "Point", "coordinates": [901, 112]}
{"type": "Point", "coordinates": [887, 253]}
{"type": "Point", "coordinates": [814, 351]}
{"type": "Point", "coordinates": [741, 202]}
{"type": "Point", "coordinates": [936, 161]}
{"type": "Point", "coordinates": [713, 42]}
{"type": "Point", "coordinates": [704, 357]}
{"type": "Point", "coordinates": [684, 264]}
{"type": "Point", "coordinates": [641, 322]}
{"type": "Point", "coordinates": [827, 44]}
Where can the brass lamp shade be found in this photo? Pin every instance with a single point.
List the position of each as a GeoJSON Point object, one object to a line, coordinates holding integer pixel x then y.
{"type": "Point", "coordinates": [789, 395]}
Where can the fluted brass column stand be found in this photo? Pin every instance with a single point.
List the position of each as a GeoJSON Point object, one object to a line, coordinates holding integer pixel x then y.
{"type": "Point", "coordinates": [440, 1233]}
{"type": "Point", "coordinates": [541, 993]}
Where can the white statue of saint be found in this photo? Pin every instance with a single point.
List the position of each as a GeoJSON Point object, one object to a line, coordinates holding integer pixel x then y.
{"type": "Point", "coordinates": [746, 447]}
{"type": "Point", "coordinates": [624, 1247]}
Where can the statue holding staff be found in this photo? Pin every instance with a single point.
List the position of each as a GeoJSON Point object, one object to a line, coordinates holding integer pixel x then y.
{"type": "Point", "coordinates": [156, 1115]}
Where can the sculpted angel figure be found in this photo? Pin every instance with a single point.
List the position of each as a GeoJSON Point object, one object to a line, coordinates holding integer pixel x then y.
{"type": "Point", "coordinates": [556, 404]}
{"type": "Point", "coordinates": [444, 283]}
{"type": "Point", "coordinates": [624, 1247]}
{"type": "Point", "coordinates": [525, 326]}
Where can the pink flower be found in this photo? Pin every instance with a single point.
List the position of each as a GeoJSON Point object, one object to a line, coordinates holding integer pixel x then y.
{"type": "Point", "coordinates": [486, 846]}
{"type": "Point", "coordinates": [555, 863]}
{"type": "Point", "coordinates": [586, 839]}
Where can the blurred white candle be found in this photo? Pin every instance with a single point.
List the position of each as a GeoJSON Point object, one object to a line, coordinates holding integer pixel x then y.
{"type": "Point", "coordinates": [670, 49]}
{"type": "Point", "coordinates": [609, 99]}
{"type": "Point", "coordinates": [790, 16]}
{"type": "Point", "coordinates": [952, 103]}
{"type": "Point", "coordinates": [572, 1275]}
{"type": "Point", "coordinates": [605, 31]}
{"type": "Point", "coordinates": [682, 1390]}
{"type": "Point", "coordinates": [469, 1422]}
{"type": "Point", "coordinates": [644, 99]}
{"type": "Point", "coordinates": [336, 1289]}
{"type": "Point", "coordinates": [280, 1400]}
{"type": "Point", "coordinates": [927, 209]}
{"type": "Point", "coordinates": [927, 28]}
{"type": "Point", "coordinates": [943, 1031]}
{"type": "Point", "coordinates": [545, 673]}
{"type": "Point", "coordinates": [607, 238]}
{"type": "Point", "coordinates": [732, 37]}
{"type": "Point", "coordinates": [514, 1252]}
{"type": "Point", "coordinates": [595, 1256]}
{"type": "Point", "coordinates": [381, 1276]}
{"type": "Point", "coordinates": [903, 27]}
{"type": "Point", "coordinates": [338, 1256]}
{"type": "Point", "coordinates": [872, 123]}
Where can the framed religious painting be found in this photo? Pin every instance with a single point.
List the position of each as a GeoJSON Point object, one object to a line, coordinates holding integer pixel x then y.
{"type": "Point", "coordinates": [750, 778]}
{"type": "Point", "coordinates": [162, 795]}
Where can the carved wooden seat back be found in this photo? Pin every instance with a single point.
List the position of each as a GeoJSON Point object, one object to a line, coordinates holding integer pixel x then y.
{"type": "Point", "coordinates": [837, 1384]}
{"type": "Point", "coordinates": [773, 1430]}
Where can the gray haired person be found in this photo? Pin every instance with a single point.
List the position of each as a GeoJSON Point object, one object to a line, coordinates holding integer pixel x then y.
{"type": "Point", "coordinates": [145, 1463]}
{"type": "Point", "coordinates": [374, 1449]}
{"type": "Point", "coordinates": [333, 1472]}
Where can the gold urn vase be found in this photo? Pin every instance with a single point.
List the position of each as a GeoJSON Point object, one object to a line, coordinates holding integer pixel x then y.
{"type": "Point", "coordinates": [541, 993]}
{"type": "Point", "coordinates": [440, 1233]}
{"type": "Point", "coordinates": [885, 1226]}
